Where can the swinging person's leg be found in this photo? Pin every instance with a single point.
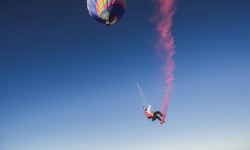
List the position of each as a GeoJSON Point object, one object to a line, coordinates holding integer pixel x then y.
{"type": "Point", "coordinates": [154, 117]}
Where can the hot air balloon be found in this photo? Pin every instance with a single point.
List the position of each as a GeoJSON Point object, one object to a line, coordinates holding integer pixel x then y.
{"type": "Point", "coordinates": [106, 11]}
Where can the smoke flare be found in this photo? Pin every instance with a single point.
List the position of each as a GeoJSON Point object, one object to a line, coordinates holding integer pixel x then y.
{"type": "Point", "coordinates": [164, 22]}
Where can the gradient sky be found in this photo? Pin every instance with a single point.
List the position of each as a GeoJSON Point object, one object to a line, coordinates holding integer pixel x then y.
{"type": "Point", "coordinates": [65, 86]}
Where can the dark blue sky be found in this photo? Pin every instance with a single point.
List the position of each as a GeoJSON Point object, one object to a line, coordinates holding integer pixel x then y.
{"type": "Point", "coordinates": [64, 84]}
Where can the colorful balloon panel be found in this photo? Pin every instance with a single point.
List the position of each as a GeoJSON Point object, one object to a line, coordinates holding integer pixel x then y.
{"type": "Point", "coordinates": [106, 11]}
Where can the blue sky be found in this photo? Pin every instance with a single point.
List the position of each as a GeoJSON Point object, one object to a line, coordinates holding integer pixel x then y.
{"type": "Point", "coordinates": [64, 84]}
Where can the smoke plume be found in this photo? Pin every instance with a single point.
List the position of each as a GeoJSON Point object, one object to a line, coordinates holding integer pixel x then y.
{"type": "Point", "coordinates": [164, 22]}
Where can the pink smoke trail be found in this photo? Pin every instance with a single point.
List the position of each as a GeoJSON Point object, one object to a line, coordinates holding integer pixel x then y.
{"type": "Point", "coordinates": [164, 21]}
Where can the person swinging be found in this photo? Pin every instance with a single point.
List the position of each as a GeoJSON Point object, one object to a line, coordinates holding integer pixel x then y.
{"type": "Point", "coordinates": [154, 115]}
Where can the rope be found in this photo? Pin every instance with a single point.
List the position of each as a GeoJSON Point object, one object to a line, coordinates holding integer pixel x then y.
{"type": "Point", "coordinates": [142, 95]}
{"type": "Point", "coordinates": [144, 99]}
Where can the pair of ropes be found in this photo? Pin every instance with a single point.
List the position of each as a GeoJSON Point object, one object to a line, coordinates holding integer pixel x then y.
{"type": "Point", "coordinates": [144, 99]}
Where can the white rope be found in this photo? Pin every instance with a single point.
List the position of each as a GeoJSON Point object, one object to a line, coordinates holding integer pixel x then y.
{"type": "Point", "coordinates": [144, 99]}
{"type": "Point", "coordinates": [142, 95]}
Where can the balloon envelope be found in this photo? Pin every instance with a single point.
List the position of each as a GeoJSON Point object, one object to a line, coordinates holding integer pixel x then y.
{"type": "Point", "coordinates": [106, 11]}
